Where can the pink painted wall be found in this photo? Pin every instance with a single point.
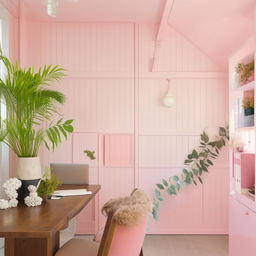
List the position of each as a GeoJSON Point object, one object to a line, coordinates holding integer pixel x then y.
{"type": "Point", "coordinates": [110, 91]}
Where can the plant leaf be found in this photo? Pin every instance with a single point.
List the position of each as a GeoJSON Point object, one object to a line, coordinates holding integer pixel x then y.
{"type": "Point", "coordinates": [176, 178]}
{"type": "Point", "coordinates": [160, 186]}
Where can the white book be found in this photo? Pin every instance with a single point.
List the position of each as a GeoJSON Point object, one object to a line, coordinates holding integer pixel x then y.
{"type": "Point", "coordinates": [71, 192]}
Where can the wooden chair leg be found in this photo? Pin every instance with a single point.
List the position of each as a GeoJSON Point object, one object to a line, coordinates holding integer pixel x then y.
{"type": "Point", "coordinates": [141, 252]}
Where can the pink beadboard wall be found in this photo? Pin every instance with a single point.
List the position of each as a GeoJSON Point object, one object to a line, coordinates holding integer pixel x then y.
{"type": "Point", "coordinates": [110, 92]}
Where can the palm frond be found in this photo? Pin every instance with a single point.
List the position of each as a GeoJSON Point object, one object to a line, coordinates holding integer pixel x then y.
{"type": "Point", "coordinates": [29, 103]}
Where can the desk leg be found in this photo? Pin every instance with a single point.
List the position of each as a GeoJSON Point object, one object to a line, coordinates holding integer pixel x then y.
{"type": "Point", "coordinates": [32, 246]}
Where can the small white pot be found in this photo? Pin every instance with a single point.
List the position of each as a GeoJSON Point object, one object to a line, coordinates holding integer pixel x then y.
{"type": "Point", "coordinates": [29, 168]}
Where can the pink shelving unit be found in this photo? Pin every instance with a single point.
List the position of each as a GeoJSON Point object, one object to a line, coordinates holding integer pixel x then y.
{"type": "Point", "coordinates": [242, 210]}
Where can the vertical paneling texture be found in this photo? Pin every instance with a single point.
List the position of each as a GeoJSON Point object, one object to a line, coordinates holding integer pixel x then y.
{"type": "Point", "coordinates": [83, 48]}
{"type": "Point", "coordinates": [100, 90]}
{"type": "Point", "coordinates": [99, 105]}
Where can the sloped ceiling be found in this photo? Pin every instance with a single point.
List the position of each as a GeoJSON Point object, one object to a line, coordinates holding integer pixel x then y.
{"type": "Point", "coordinates": [217, 27]}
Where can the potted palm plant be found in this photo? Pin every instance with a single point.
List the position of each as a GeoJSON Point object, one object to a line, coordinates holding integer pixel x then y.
{"type": "Point", "coordinates": [31, 107]}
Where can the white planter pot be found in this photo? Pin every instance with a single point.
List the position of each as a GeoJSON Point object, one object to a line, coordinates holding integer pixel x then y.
{"type": "Point", "coordinates": [248, 121]}
{"type": "Point", "coordinates": [28, 168]}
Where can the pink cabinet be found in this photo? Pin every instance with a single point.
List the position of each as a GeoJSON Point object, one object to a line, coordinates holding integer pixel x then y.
{"type": "Point", "coordinates": [242, 230]}
{"type": "Point", "coordinates": [243, 171]}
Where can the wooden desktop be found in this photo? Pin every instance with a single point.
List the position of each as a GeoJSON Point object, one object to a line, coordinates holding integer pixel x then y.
{"type": "Point", "coordinates": [30, 231]}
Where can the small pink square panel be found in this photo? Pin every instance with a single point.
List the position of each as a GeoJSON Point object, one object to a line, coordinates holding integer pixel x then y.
{"type": "Point", "coordinates": [118, 150]}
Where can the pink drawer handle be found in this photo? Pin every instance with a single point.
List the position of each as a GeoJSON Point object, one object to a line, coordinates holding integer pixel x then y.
{"type": "Point", "coordinates": [247, 213]}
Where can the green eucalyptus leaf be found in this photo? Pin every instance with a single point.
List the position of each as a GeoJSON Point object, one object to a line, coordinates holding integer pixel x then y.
{"type": "Point", "coordinates": [204, 168]}
{"type": "Point", "coordinates": [165, 182]}
{"type": "Point", "coordinates": [206, 137]}
{"type": "Point", "coordinates": [195, 154]}
{"type": "Point", "coordinates": [185, 171]}
{"type": "Point", "coordinates": [190, 156]}
{"type": "Point", "coordinates": [188, 161]}
{"type": "Point", "coordinates": [160, 186]}
{"type": "Point", "coordinates": [210, 162]}
{"type": "Point", "coordinates": [213, 144]}
{"type": "Point", "coordinates": [157, 193]}
{"type": "Point", "coordinates": [222, 131]}
{"type": "Point", "coordinates": [176, 178]}
{"type": "Point", "coordinates": [188, 179]}
{"type": "Point", "coordinates": [171, 190]}
{"type": "Point", "coordinates": [200, 180]}
{"type": "Point", "coordinates": [195, 171]}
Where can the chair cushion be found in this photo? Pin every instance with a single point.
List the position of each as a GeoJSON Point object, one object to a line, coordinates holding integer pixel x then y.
{"type": "Point", "coordinates": [78, 247]}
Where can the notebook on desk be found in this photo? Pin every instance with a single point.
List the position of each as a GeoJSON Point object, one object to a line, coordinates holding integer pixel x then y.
{"type": "Point", "coordinates": [71, 192]}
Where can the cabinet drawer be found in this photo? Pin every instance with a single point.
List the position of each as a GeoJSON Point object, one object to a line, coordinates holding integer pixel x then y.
{"type": "Point", "coordinates": [242, 230]}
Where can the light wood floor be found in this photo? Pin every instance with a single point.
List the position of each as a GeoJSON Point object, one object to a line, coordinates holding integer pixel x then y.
{"type": "Point", "coordinates": [193, 245]}
{"type": "Point", "coordinates": [184, 245]}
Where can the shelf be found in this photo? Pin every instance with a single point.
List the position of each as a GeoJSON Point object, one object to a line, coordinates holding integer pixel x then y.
{"type": "Point", "coordinates": [246, 200]}
{"type": "Point", "coordinates": [247, 87]}
{"type": "Point", "coordinates": [244, 128]}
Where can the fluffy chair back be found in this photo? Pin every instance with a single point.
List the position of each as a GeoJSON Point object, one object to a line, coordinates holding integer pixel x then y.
{"type": "Point", "coordinates": [126, 226]}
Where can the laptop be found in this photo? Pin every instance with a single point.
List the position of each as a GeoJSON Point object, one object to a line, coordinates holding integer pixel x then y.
{"type": "Point", "coordinates": [71, 173]}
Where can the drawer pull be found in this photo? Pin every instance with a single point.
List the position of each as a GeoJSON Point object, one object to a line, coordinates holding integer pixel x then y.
{"type": "Point", "coordinates": [246, 213]}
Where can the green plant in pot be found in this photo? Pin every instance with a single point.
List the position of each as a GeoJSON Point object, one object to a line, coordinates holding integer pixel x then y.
{"type": "Point", "coordinates": [31, 107]}
{"type": "Point", "coordinates": [48, 184]}
{"type": "Point", "coordinates": [245, 72]}
{"type": "Point", "coordinates": [248, 105]}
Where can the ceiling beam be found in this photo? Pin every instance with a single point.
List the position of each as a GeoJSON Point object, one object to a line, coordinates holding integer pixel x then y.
{"type": "Point", "coordinates": [164, 19]}
{"type": "Point", "coordinates": [161, 30]}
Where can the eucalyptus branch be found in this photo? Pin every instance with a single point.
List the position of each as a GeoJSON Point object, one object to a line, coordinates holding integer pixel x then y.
{"type": "Point", "coordinates": [196, 163]}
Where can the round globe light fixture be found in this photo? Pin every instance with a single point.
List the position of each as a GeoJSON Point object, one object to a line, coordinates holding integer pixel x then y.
{"type": "Point", "coordinates": [168, 100]}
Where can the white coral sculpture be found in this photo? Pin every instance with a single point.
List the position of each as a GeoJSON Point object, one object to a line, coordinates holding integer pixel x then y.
{"type": "Point", "coordinates": [33, 199]}
{"type": "Point", "coordinates": [10, 188]}
{"type": "Point", "coordinates": [4, 204]}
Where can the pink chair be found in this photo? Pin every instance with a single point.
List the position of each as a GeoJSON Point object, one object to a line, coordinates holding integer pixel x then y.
{"type": "Point", "coordinates": [124, 231]}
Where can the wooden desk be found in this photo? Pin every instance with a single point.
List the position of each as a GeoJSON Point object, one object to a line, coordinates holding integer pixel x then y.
{"type": "Point", "coordinates": [35, 231]}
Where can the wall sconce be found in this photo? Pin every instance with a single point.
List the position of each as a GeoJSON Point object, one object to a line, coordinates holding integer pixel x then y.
{"type": "Point", "coordinates": [168, 99]}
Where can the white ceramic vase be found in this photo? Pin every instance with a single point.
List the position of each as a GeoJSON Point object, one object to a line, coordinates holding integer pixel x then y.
{"type": "Point", "coordinates": [28, 168]}
{"type": "Point", "coordinates": [29, 172]}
